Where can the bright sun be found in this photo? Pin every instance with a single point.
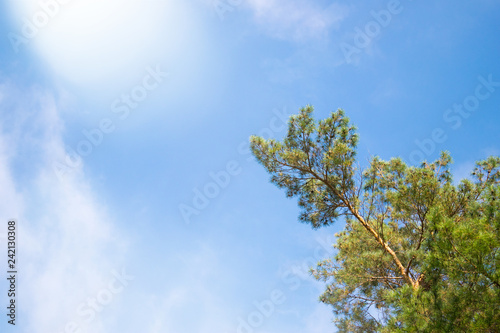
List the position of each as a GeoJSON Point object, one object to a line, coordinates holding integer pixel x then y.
{"type": "Point", "coordinates": [92, 41]}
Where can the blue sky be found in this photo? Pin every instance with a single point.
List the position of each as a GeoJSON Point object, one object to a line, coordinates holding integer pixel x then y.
{"type": "Point", "coordinates": [115, 115]}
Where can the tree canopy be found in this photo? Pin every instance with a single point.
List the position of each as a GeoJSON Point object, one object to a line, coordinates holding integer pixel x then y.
{"type": "Point", "coordinates": [419, 252]}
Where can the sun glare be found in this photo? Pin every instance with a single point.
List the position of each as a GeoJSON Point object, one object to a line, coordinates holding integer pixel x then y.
{"type": "Point", "coordinates": [97, 41]}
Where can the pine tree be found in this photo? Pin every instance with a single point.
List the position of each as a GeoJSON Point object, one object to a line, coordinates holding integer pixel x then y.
{"type": "Point", "coordinates": [417, 254]}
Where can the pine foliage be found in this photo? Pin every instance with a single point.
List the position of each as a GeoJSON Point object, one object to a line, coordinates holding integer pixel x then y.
{"type": "Point", "coordinates": [418, 253]}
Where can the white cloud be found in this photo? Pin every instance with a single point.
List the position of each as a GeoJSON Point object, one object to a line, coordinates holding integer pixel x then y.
{"type": "Point", "coordinates": [67, 243]}
{"type": "Point", "coordinates": [297, 20]}
{"type": "Point", "coordinates": [188, 300]}
{"type": "Point", "coordinates": [70, 245]}
{"type": "Point", "coordinates": [98, 44]}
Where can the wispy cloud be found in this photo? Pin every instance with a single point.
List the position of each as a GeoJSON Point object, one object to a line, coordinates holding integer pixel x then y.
{"type": "Point", "coordinates": [297, 20]}
{"type": "Point", "coordinates": [68, 245]}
